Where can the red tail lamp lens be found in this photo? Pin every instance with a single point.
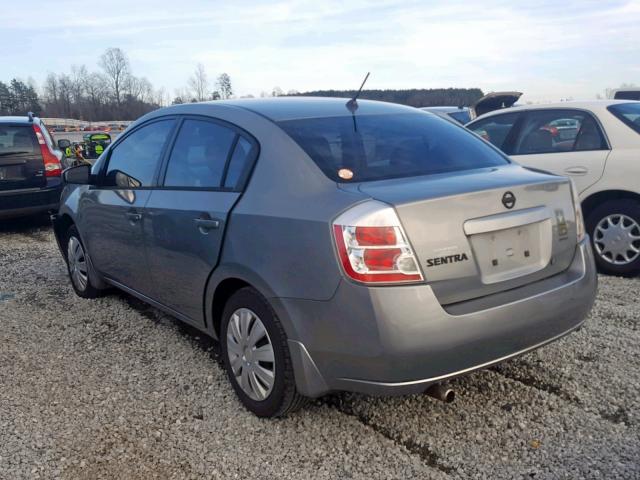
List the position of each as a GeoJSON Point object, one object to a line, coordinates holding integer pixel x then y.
{"type": "Point", "coordinates": [383, 259]}
{"type": "Point", "coordinates": [374, 236]}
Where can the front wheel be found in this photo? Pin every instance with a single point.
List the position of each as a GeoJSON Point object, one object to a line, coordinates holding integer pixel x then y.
{"type": "Point", "coordinates": [78, 266]}
{"type": "Point", "coordinates": [614, 228]}
{"type": "Point", "coordinates": [256, 356]}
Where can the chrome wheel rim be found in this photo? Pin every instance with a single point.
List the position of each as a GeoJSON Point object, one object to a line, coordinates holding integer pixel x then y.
{"type": "Point", "coordinates": [250, 354]}
{"type": "Point", "coordinates": [616, 238]}
{"type": "Point", "coordinates": [77, 264]}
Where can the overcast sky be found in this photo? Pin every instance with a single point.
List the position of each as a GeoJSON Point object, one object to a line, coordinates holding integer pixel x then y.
{"type": "Point", "coordinates": [547, 49]}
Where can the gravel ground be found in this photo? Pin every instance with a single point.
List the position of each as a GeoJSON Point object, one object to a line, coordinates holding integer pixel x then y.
{"type": "Point", "coordinates": [112, 388]}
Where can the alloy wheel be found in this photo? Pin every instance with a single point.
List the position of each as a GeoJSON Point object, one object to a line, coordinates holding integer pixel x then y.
{"type": "Point", "coordinates": [250, 353]}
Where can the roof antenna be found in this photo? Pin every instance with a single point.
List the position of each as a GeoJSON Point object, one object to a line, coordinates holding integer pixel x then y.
{"type": "Point", "coordinates": [352, 104]}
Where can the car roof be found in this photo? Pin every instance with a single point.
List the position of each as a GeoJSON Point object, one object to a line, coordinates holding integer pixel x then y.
{"type": "Point", "coordinates": [592, 105]}
{"type": "Point", "coordinates": [17, 119]}
{"type": "Point", "coordinates": [289, 108]}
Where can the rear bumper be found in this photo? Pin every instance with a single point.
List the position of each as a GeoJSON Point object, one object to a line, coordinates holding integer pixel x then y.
{"type": "Point", "coordinates": [18, 203]}
{"type": "Point", "coordinates": [399, 340]}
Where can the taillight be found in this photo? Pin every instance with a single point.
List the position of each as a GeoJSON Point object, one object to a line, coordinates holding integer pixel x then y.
{"type": "Point", "coordinates": [373, 247]}
{"type": "Point", "coordinates": [52, 165]}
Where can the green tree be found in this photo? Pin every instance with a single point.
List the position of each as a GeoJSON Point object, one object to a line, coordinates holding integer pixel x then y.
{"type": "Point", "coordinates": [5, 99]}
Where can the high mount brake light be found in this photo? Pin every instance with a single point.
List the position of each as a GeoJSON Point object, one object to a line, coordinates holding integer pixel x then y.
{"type": "Point", "coordinates": [52, 165]}
{"type": "Point", "coordinates": [372, 246]}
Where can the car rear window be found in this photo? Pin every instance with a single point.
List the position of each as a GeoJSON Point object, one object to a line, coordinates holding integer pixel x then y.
{"type": "Point", "coordinates": [629, 113]}
{"type": "Point", "coordinates": [17, 139]}
{"type": "Point", "coordinates": [376, 147]}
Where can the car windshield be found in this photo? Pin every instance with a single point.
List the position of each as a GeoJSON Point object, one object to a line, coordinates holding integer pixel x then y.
{"type": "Point", "coordinates": [17, 139]}
{"type": "Point", "coordinates": [363, 148]}
{"type": "Point", "coordinates": [461, 116]}
{"type": "Point", "coordinates": [629, 113]}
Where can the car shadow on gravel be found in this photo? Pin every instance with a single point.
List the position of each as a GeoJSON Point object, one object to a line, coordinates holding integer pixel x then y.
{"type": "Point", "coordinates": [195, 336]}
{"type": "Point", "coordinates": [34, 226]}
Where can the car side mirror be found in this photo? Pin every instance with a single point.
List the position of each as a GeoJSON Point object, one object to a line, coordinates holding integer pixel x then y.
{"type": "Point", "coordinates": [80, 175]}
{"type": "Point", "coordinates": [63, 143]}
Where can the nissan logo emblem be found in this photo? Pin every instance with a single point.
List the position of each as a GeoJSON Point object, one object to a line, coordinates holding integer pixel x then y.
{"type": "Point", "coordinates": [509, 200]}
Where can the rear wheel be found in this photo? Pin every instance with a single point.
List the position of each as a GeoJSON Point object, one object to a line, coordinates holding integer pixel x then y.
{"type": "Point", "coordinates": [614, 228]}
{"type": "Point", "coordinates": [256, 356]}
{"type": "Point", "coordinates": [78, 266]}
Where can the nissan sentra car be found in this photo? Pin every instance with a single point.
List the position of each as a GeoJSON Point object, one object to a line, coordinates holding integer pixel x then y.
{"type": "Point", "coordinates": [330, 245]}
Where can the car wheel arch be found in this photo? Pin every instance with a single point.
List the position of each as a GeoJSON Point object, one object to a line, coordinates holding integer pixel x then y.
{"type": "Point", "coordinates": [597, 198]}
{"type": "Point", "coordinates": [60, 228]}
{"type": "Point", "coordinates": [223, 282]}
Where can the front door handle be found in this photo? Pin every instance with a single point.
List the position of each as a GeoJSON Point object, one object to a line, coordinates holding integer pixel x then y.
{"type": "Point", "coordinates": [206, 224]}
{"type": "Point", "coordinates": [577, 170]}
{"type": "Point", "coordinates": [134, 217]}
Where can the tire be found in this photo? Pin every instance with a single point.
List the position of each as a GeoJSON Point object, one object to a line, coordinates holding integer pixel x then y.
{"type": "Point", "coordinates": [244, 314]}
{"type": "Point", "coordinates": [609, 215]}
{"type": "Point", "coordinates": [78, 267]}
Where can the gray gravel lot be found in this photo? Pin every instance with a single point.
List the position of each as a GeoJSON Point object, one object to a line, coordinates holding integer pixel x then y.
{"type": "Point", "coordinates": [111, 388]}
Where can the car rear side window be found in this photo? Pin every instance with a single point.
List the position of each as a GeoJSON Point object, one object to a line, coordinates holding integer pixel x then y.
{"type": "Point", "coordinates": [17, 140]}
{"type": "Point", "coordinates": [199, 155]}
{"type": "Point", "coordinates": [134, 161]}
{"type": "Point", "coordinates": [496, 128]}
{"type": "Point", "coordinates": [557, 131]}
{"type": "Point", "coordinates": [239, 163]}
{"type": "Point", "coordinates": [376, 147]}
{"type": "Point", "coordinates": [629, 113]}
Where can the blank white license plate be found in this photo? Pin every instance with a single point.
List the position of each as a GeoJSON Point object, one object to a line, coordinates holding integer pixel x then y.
{"type": "Point", "coordinates": [512, 252]}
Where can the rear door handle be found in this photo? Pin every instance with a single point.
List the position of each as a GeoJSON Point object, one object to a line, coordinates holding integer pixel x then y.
{"type": "Point", "coordinates": [206, 224]}
{"type": "Point", "coordinates": [134, 217]}
{"type": "Point", "coordinates": [577, 170]}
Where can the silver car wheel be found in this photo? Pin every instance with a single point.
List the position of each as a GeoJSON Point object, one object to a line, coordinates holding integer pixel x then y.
{"type": "Point", "coordinates": [250, 353]}
{"type": "Point", "coordinates": [617, 239]}
{"type": "Point", "coordinates": [77, 264]}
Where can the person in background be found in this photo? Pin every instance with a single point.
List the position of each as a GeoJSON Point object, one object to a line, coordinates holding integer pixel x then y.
{"type": "Point", "coordinates": [79, 156]}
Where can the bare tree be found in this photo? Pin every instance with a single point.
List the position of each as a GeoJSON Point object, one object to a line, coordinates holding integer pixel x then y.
{"type": "Point", "coordinates": [277, 92]}
{"type": "Point", "coordinates": [65, 85]}
{"type": "Point", "coordinates": [115, 64]}
{"type": "Point", "coordinates": [96, 88]}
{"type": "Point", "coordinates": [51, 88]}
{"type": "Point", "coordinates": [78, 82]}
{"type": "Point", "coordinates": [199, 83]}
{"type": "Point", "coordinates": [161, 97]}
{"type": "Point", "coordinates": [224, 86]}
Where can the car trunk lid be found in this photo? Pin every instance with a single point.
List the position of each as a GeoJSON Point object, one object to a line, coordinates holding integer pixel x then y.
{"type": "Point", "coordinates": [483, 231]}
{"type": "Point", "coordinates": [493, 101]}
{"type": "Point", "coordinates": [21, 163]}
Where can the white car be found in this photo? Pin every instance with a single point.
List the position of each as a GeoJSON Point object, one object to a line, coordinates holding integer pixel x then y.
{"type": "Point", "coordinates": [597, 144]}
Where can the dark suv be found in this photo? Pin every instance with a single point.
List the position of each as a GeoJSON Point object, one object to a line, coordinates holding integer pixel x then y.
{"type": "Point", "coordinates": [30, 167]}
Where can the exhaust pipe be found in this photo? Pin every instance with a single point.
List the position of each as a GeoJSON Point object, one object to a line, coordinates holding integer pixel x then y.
{"type": "Point", "coordinates": [441, 392]}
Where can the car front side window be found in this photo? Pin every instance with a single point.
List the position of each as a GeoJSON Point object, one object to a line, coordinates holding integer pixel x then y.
{"type": "Point", "coordinates": [496, 128]}
{"type": "Point", "coordinates": [199, 155]}
{"type": "Point", "coordinates": [134, 161]}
